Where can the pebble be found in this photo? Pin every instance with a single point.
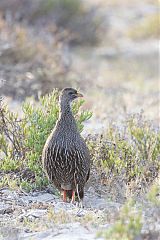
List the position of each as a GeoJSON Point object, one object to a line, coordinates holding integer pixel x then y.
{"type": "Point", "coordinates": [5, 209]}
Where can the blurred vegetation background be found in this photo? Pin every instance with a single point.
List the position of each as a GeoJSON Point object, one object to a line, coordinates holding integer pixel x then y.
{"type": "Point", "coordinates": [108, 49]}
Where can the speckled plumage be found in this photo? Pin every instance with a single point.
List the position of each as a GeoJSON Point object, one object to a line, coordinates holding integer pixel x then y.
{"type": "Point", "coordinates": [65, 157]}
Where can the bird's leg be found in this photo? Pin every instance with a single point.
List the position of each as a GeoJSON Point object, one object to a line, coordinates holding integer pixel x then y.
{"type": "Point", "coordinates": [64, 196]}
{"type": "Point", "coordinates": [73, 197]}
{"type": "Point", "coordinates": [79, 204]}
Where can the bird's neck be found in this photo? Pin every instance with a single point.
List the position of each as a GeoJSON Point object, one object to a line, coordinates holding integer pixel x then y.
{"type": "Point", "coordinates": [65, 109]}
{"type": "Point", "coordinates": [66, 115]}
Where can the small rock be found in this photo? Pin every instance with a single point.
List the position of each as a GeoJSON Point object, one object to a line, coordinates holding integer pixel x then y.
{"type": "Point", "coordinates": [5, 209]}
{"type": "Point", "coordinates": [9, 233]}
{"type": "Point", "coordinates": [42, 197]}
{"type": "Point", "coordinates": [37, 213]}
{"type": "Point", "coordinates": [32, 214]}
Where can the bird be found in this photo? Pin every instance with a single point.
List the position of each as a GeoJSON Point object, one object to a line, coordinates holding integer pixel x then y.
{"type": "Point", "coordinates": [65, 156]}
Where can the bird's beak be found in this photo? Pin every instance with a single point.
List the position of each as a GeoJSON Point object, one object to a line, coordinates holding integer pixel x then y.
{"type": "Point", "coordinates": [79, 95]}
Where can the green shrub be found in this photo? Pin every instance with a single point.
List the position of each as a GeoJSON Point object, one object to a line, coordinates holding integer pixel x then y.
{"type": "Point", "coordinates": [22, 140]}
{"type": "Point", "coordinates": [153, 194]}
{"type": "Point", "coordinates": [147, 28]}
{"type": "Point", "coordinates": [81, 22]}
{"type": "Point", "coordinates": [131, 151]}
{"type": "Point", "coordinates": [128, 225]}
{"type": "Point", "coordinates": [69, 8]}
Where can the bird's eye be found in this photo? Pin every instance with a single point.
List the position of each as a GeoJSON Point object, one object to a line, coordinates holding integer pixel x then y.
{"type": "Point", "coordinates": [71, 93]}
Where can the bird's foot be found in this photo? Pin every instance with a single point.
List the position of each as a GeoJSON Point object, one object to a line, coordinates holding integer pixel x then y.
{"type": "Point", "coordinates": [79, 204]}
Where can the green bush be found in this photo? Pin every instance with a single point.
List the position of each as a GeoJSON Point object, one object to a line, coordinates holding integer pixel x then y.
{"type": "Point", "coordinates": [128, 225]}
{"type": "Point", "coordinates": [83, 23]}
{"type": "Point", "coordinates": [147, 28]}
{"type": "Point", "coordinates": [153, 194]}
{"type": "Point", "coordinates": [22, 140]}
{"type": "Point", "coordinates": [131, 151]}
{"type": "Point", "coordinates": [69, 8]}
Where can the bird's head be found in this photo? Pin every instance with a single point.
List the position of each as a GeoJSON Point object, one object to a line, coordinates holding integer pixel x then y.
{"type": "Point", "coordinates": [69, 94]}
